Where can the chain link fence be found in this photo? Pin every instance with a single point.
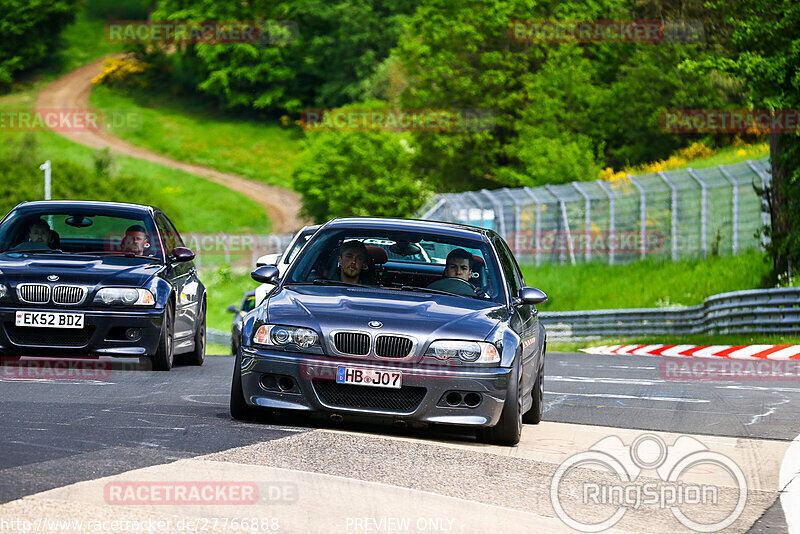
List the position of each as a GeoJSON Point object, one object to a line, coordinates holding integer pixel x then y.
{"type": "Point", "coordinates": [674, 215]}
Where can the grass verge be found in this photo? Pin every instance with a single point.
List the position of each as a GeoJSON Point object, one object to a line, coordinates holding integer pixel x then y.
{"type": "Point", "coordinates": [644, 284]}
{"type": "Point", "coordinates": [186, 129]}
{"type": "Point", "coordinates": [193, 203]}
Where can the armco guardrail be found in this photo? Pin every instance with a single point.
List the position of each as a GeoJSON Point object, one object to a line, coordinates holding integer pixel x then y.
{"type": "Point", "coordinates": [757, 311]}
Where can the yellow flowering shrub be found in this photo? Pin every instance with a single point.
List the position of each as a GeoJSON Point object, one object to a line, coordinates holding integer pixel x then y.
{"type": "Point", "coordinates": [121, 71]}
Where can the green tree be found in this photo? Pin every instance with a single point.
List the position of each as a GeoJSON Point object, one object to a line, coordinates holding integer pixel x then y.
{"type": "Point", "coordinates": [765, 39]}
{"type": "Point", "coordinates": [358, 174]}
{"type": "Point", "coordinates": [324, 51]}
{"type": "Point", "coordinates": [29, 30]}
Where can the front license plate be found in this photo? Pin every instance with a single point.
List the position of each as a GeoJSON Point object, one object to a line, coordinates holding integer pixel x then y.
{"type": "Point", "coordinates": [369, 377]}
{"type": "Point", "coordinates": [49, 319]}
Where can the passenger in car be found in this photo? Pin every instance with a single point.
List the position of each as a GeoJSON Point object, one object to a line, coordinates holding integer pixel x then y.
{"type": "Point", "coordinates": [135, 240]}
{"type": "Point", "coordinates": [351, 263]}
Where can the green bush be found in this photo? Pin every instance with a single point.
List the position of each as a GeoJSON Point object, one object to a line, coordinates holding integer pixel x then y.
{"type": "Point", "coordinates": [357, 174]}
{"type": "Point", "coordinates": [29, 29]}
{"type": "Point", "coordinates": [21, 180]}
{"type": "Point", "coordinates": [118, 9]}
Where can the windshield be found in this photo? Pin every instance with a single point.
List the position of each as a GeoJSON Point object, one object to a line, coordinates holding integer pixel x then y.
{"type": "Point", "coordinates": [424, 262]}
{"type": "Point", "coordinates": [79, 231]}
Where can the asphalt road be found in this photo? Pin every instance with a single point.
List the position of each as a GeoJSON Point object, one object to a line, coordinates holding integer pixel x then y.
{"type": "Point", "coordinates": [58, 432]}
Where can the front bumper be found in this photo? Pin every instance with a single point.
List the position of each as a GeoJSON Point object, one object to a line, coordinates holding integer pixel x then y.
{"type": "Point", "coordinates": [421, 399]}
{"type": "Point", "coordinates": [103, 333]}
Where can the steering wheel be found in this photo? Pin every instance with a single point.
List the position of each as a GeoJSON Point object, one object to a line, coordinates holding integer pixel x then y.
{"type": "Point", "coordinates": [459, 286]}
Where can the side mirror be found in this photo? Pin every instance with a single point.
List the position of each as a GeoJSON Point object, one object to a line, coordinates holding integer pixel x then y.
{"type": "Point", "coordinates": [232, 309]}
{"type": "Point", "coordinates": [531, 295]}
{"type": "Point", "coordinates": [266, 274]}
{"type": "Point", "coordinates": [181, 254]}
{"type": "Point", "coordinates": [268, 259]}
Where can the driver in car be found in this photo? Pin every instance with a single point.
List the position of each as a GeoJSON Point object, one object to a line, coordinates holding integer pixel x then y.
{"type": "Point", "coordinates": [38, 237]}
{"type": "Point", "coordinates": [457, 273]}
{"type": "Point", "coordinates": [352, 261]}
{"type": "Point", "coordinates": [135, 240]}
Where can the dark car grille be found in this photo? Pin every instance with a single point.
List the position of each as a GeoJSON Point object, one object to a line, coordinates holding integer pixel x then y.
{"type": "Point", "coordinates": [353, 343]}
{"type": "Point", "coordinates": [34, 293]}
{"type": "Point", "coordinates": [403, 400]}
{"type": "Point", "coordinates": [49, 337]}
{"type": "Point", "coordinates": [393, 346]}
{"type": "Point", "coordinates": [68, 294]}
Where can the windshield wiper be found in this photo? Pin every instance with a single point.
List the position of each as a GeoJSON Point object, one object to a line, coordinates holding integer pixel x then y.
{"type": "Point", "coordinates": [429, 290]}
{"type": "Point", "coordinates": [326, 282]}
{"type": "Point", "coordinates": [119, 253]}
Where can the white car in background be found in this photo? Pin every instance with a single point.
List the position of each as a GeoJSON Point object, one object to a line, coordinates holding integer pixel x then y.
{"type": "Point", "coordinates": [281, 260]}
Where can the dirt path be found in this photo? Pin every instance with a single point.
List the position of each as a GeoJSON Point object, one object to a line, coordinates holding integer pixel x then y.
{"type": "Point", "coordinates": [72, 91]}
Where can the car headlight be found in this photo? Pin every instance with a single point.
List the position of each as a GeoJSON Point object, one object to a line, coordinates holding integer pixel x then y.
{"type": "Point", "coordinates": [466, 351]}
{"type": "Point", "coordinates": [284, 336]}
{"type": "Point", "coordinates": [3, 291]}
{"type": "Point", "coordinates": [124, 296]}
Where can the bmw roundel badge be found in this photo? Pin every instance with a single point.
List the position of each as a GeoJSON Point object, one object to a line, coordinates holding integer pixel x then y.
{"type": "Point", "coordinates": [375, 324]}
{"type": "Point", "coordinates": [53, 277]}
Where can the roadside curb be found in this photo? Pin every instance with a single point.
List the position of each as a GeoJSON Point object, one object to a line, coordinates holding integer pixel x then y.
{"type": "Point", "coordinates": [737, 352]}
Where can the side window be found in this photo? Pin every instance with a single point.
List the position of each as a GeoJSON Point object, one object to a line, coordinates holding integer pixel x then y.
{"type": "Point", "coordinates": [168, 233]}
{"type": "Point", "coordinates": [510, 268]}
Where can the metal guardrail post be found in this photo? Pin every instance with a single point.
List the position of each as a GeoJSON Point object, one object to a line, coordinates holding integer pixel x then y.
{"type": "Point", "coordinates": [433, 210]}
{"type": "Point", "coordinates": [501, 227]}
{"type": "Point", "coordinates": [642, 215]}
{"type": "Point", "coordinates": [674, 209]}
{"type": "Point", "coordinates": [703, 211]}
{"type": "Point", "coordinates": [588, 209]}
{"type": "Point", "coordinates": [538, 231]}
{"type": "Point", "coordinates": [765, 217]}
{"type": "Point", "coordinates": [611, 236]}
{"type": "Point", "coordinates": [735, 208]}
{"type": "Point", "coordinates": [563, 209]}
{"type": "Point", "coordinates": [517, 217]}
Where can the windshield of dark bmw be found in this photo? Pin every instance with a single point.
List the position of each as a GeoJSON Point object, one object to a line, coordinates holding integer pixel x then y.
{"type": "Point", "coordinates": [78, 231]}
{"type": "Point", "coordinates": [397, 260]}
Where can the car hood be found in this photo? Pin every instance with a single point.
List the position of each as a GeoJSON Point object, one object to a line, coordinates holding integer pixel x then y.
{"type": "Point", "coordinates": [82, 270]}
{"type": "Point", "coordinates": [425, 316]}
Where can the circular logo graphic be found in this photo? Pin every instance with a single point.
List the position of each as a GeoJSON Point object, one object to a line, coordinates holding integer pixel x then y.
{"type": "Point", "coordinates": [375, 324]}
{"type": "Point", "coordinates": [53, 277]}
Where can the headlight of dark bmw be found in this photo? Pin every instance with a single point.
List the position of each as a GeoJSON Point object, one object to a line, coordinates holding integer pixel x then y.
{"type": "Point", "coordinates": [464, 352]}
{"type": "Point", "coordinates": [290, 338]}
{"type": "Point", "coordinates": [3, 291]}
{"type": "Point", "coordinates": [124, 296]}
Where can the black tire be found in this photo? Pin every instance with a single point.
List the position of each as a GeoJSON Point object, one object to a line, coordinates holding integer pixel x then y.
{"type": "Point", "coordinates": [198, 354]}
{"type": "Point", "coordinates": [165, 354]}
{"type": "Point", "coordinates": [534, 415]}
{"type": "Point", "coordinates": [508, 429]}
{"type": "Point", "coordinates": [240, 410]}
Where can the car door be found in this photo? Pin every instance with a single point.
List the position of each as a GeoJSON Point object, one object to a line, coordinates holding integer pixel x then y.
{"type": "Point", "coordinates": [524, 316]}
{"type": "Point", "coordinates": [183, 276]}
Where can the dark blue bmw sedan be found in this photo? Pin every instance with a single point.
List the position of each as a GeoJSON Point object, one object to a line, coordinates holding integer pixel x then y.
{"type": "Point", "coordinates": [82, 278]}
{"type": "Point", "coordinates": [401, 320]}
